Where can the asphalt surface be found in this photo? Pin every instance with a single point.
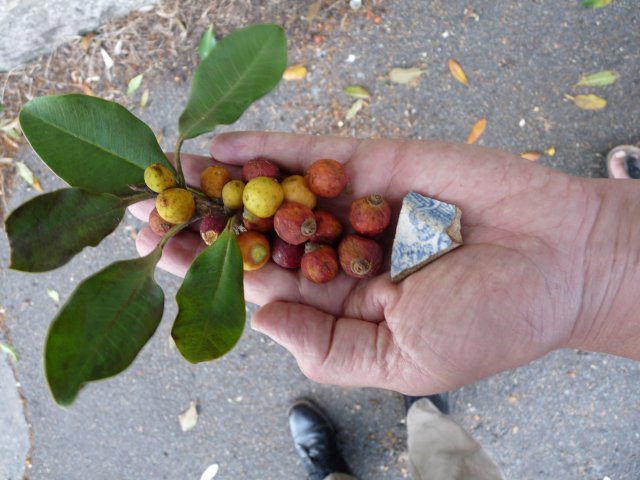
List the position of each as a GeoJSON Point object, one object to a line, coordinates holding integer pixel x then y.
{"type": "Point", "coordinates": [570, 415]}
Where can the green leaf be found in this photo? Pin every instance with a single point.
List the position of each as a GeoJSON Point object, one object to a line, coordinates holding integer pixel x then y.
{"type": "Point", "coordinates": [243, 67]}
{"type": "Point", "coordinates": [595, 3]}
{"type": "Point", "coordinates": [49, 230]}
{"type": "Point", "coordinates": [103, 326]}
{"type": "Point", "coordinates": [599, 79]}
{"type": "Point", "coordinates": [134, 84]}
{"type": "Point", "coordinates": [90, 142]}
{"type": "Point", "coordinates": [357, 91]}
{"type": "Point", "coordinates": [211, 309]}
{"type": "Point", "coordinates": [207, 43]}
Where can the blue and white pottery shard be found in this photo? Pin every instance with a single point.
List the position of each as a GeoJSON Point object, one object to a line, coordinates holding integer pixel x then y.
{"type": "Point", "coordinates": [427, 228]}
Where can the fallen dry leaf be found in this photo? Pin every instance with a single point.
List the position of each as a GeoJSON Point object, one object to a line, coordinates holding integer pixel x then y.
{"type": "Point", "coordinates": [86, 40]}
{"type": "Point", "coordinates": [355, 108]}
{"type": "Point", "coordinates": [595, 3]}
{"type": "Point", "coordinates": [405, 75]}
{"type": "Point", "coordinates": [11, 350]}
{"type": "Point", "coordinates": [144, 99]}
{"type": "Point", "coordinates": [134, 83]}
{"type": "Point", "coordinates": [53, 295]}
{"type": "Point", "coordinates": [457, 72]}
{"type": "Point", "coordinates": [189, 418]}
{"type": "Point", "coordinates": [357, 91]}
{"type": "Point", "coordinates": [106, 58]}
{"type": "Point", "coordinates": [476, 131]}
{"type": "Point", "coordinates": [598, 79]}
{"type": "Point", "coordinates": [28, 176]}
{"type": "Point", "coordinates": [295, 72]}
{"type": "Point", "coordinates": [210, 472]}
{"type": "Point", "coordinates": [531, 155]}
{"type": "Point", "coordinates": [313, 11]}
{"type": "Point", "coordinates": [551, 151]}
{"type": "Point", "coordinates": [588, 102]}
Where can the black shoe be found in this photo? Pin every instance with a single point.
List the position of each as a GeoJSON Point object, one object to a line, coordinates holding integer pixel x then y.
{"type": "Point", "coordinates": [315, 440]}
{"type": "Point", "coordinates": [440, 400]}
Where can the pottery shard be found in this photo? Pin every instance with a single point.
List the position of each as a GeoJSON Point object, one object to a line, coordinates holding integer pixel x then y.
{"type": "Point", "coordinates": [427, 229]}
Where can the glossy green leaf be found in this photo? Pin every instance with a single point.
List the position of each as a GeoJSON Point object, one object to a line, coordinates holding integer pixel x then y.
{"type": "Point", "coordinates": [207, 42]}
{"type": "Point", "coordinates": [211, 308]}
{"type": "Point", "coordinates": [89, 142]}
{"type": "Point", "coordinates": [595, 3]}
{"type": "Point", "coordinates": [599, 79]}
{"type": "Point", "coordinates": [103, 326]}
{"type": "Point", "coordinates": [49, 230]}
{"type": "Point", "coordinates": [243, 67]}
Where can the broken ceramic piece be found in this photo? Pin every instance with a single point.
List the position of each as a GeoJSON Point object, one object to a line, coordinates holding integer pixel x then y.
{"type": "Point", "coordinates": [427, 229]}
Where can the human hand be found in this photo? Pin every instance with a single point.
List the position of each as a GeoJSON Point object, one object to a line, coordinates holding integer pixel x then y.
{"type": "Point", "coordinates": [514, 291]}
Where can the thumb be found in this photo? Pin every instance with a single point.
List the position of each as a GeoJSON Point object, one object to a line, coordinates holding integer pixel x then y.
{"type": "Point", "coordinates": [340, 351]}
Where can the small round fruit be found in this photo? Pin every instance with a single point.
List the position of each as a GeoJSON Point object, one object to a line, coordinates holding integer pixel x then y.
{"type": "Point", "coordinates": [157, 225]}
{"type": "Point", "coordinates": [158, 177]}
{"type": "Point", "coordinates": [370, 215]}
{"type": "Point", "coordinates": [262, 196]}
{"type": "Point", "coordinates": [259, 167]}
{"type": "Point", "coordinates": [211, 226]}
{"type": "Point", "coordinates": [255, 250]}
{"type": "Point", "coordinates": [213, 179]}
{"type": "Point", "coordinates": [319, 263]}
{"type": "Point", "coordinates": [232, 194]}
{"type": "Point", "coordinates": [175, 205]}
{"type": "Point", "coordinates": [360, 257]}
{"type": "Point", "coordinates": [326, 178]}
{"type": "Point", "coordinates": [295, 189]}
{"type": "Point", "coordinates": [286, 255]}
{"type": "Point", "coordinates": [328, 228]}
{"type": "Point", "coordinates": [253, 222]}
{"type": "Point", "coordinates": [294, 223]}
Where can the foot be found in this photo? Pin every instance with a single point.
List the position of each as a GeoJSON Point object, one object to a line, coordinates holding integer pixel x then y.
{"type": "Point", "coordinates": [440, 400]}
{"type": "Point", "coordinates": [315, 440]}
{"type": "Point", "coordinates": [624, 162]}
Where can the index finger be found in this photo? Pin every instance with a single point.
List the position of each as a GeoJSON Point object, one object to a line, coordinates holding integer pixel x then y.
{"type": "Point", "coordinates": [291, 151]}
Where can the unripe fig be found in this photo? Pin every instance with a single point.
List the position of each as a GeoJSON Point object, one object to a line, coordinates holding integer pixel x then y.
{"type": "Point", "coordinates": [175, 205]}
{"type": "Point", "coordinates": [294, 223]}
{"type": "Point", "coordinates": [262, 196]}
{"type": "Point", "coordinates": [286, 255]}
{"type": "Point", "coordinates": [158, 177]}
{"type": "Point", "coordinates": [253, 222]}
{"type": "Point", "coordinates": [232, 194]}
{"type": "Point", "coordinates": [213, 179]}
{"type": "Point", "coordinates": [157, 225]}
{"type": "Point", "coordinates": [211, 226]}
{"type": "Point", "coordinates": [319, 263]}
{"type": "Point", "coordinates": [295, 189]}
{"type": "Point", "coordinates": [360, 257]}
{"type": "Point", "coordinates": [328, 228]}
{"type": "Point", "coordinates": [326, 178]}
{"type": "Point", "coordinates": [255, 250]}
{"type": "Point", "coordinates": [259, 167]}
{"type": "Point", "coordinates": [370, 215]}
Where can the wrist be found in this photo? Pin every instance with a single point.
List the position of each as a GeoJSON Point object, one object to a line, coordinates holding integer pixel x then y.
{"type": "Point", "coordinates": [609, 320]}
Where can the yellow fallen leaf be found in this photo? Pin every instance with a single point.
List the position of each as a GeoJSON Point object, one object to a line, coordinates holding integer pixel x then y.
{"type": "Point", "coordinates": [355, 108]}
{"type": "Point", "coordinates": [551, 151]}
{"type": "Point", "coordinates": [86, 40]}
{"type": "Point", "coordinates": [28, 176]}
{"type": "Point", "coordinates": [405, 75]}
{"type": "Point", "coordinates": [357, 91]}
{"type": "Point", "coordinates": [531, 155]}
{"type": "Point", "coordinates": [595, 3]}
{"type": "Point", "coordinates": [457, 72]}
{"type": "Point", "coordinates": [476, 131]}
{"type": "Point", "coordinates": [588, 102]}
{"type": "Point", "coordinates": [144, 99]}
{"type": "Point", "coordinates": [295, 72]}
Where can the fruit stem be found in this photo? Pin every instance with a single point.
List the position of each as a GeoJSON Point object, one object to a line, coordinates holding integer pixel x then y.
{"type": "Point", "coordinates": [138, 197]}
{"type": "Point", "coordinates": [176, 154]}
{"type": "Point", "coordinates": [175, 229]}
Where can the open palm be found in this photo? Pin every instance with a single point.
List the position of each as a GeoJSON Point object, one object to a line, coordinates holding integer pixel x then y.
{"type": "Point", "coordinates": [510, 294]}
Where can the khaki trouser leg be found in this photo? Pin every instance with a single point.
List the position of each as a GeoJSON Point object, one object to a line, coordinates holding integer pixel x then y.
{"type": "Point", "coordinates": [440, 449]}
